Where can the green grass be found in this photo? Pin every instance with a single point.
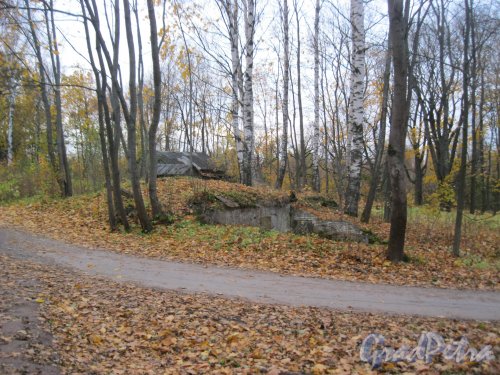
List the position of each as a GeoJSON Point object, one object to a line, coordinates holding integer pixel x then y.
{"type": "Point", "coordinates": [219, 236]}
{"type": "Point", "coordinates": [479, 262]}
{"type": "Point", "coordinates": [426, 214]}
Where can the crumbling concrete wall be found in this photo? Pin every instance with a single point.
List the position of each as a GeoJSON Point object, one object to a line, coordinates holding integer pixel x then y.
{"type": "Point", "coordinates": [285, 219]}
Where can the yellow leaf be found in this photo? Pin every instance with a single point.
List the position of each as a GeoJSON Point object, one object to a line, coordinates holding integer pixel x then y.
{"type": "Point", "coordinates": [233, 338]}
{"type": "Point", "coordinates": [95, 339]}
{"type": "Point", "coordinates": [257, 354]}
{"type": "Point", "coordinates": [39, 300]}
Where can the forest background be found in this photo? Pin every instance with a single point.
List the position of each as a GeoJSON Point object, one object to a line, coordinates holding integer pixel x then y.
{"type": "Point", "coordinates": [292, 95]}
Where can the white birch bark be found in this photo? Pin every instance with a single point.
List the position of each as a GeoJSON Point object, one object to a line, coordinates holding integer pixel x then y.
{"type": "Point", "coordinates": [248, 127]}
{"type": "Point", "coordinates": [356, 108]}
{"type": "Point", "coordinates": [315, 155]}
{"type": "Point", "coordinates": [231, 8]}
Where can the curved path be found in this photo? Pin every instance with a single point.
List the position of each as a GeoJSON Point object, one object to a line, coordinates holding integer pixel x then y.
{"type": "Point", "coordinates": [257, 286]}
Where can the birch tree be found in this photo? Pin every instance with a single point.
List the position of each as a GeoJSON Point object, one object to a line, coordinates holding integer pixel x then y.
{"type": "Point", "coordinates": [229, 9]}
{"type": "Point", "coordinates": [248, 117]}
{"type": "Point", "coordinates": [356, 108]}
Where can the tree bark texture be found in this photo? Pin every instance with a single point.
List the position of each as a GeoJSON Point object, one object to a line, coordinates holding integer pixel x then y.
{"type": "Point", "coordinates": [101, 102]}
{"type": "Point", "coordinates": [248, 127]}
{"type": "Point", "coordinates": [130, 119]}
{"type": "Point", "coordinates": [286, 77]}
{"type": "Point", "coordinates": [302, 167]}
{"type": "Point", "coordinates": [231, 9]}
{"type": "Point", "coordinates": [397, 137]}
{"type": "Point", "coordinates": [153, 127]}
{"type": "Point", "coordinates": [64, 168]}
{"type": "Point", "coordinates": [10, 128]}
{"type": "Point", "coordinates": [316, 181]}
{"type": "Point", "coordinates": [43, 91]}
{"type": "Point", "coordinates": [356, 111]}
{"type": "Point", "coordinates": [465, 125]}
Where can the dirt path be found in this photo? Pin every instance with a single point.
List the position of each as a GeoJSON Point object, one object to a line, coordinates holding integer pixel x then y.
{"type": "Point", "coordinates": [255, 285]}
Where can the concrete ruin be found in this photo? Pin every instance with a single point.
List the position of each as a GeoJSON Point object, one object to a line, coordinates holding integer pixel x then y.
{"type": "Point", "coordinates": [284, 218]}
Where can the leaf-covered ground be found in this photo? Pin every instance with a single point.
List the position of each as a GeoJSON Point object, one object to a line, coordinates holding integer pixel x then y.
{"type": "Point", "coordinates": [82, 220]}
{"type": "Point", "coordinates": [103, 327]}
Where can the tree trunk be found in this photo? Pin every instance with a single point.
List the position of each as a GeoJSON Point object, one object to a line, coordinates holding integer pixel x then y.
{"type": "Point", "coordinates": [45, 98]}
{"type": "Point", "coordinates": [10, 130]}
{"type": "Point", "coordinates": [399, 121]}
{"type": "Point", "coordinates": [474, 156]}
{"type": "Point", "coordinates": [286, 69]}
{"type": "Point", "coordinates": [419, 181]}
{"type": "Point", "coordinates": [325, 130]}
{"type": "Point", "coordinates": [130, 118]}
{"type": "Point", "coordinates": [276, 120]}
{"type": "Point", "coordinates": [356, 110]}
{"type": "Point", "coordinates": [481, 145]}
{"type": "Point", "coordinates": [143, 131]}
{"type": "Point", "coordinates": [113, 131]}
{"type": "Point", "coordinates": [315, 156]}
{"type": "Point", "coordinates": [153, 127]}
{"type": "Point", "coordinates": [101, 102]}
{"type": "Point", "coordinates": [231, 9]}
{"type": "Point", "coordinates": [302, 167]}
{"type": "Point", "coordinates": [465, 125]}
{"type": "Point", "coordinates": [248, 128]}
{"type": "Point", "coordinates": [114, 134]}
{"type": "Point", "coordinates": [387, 193]}
{"type": "Point", "coordinates": [380, 146]}
{"type": "Point", "coordinates": [64, 170]}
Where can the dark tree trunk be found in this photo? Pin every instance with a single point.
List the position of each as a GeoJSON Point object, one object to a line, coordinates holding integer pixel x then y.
{"type": "Point", "coordinates": [286, 68]}
{"type": "Point", "coordinates": [365, 216]}
{"type": "Point", "coordinates": [153, 128]}
{"type": "Point", "coordinates": [473, 81]}
{"type": "Point", "coordinates": [143, 130]}
{"type": "Point", "coordinates": [113, 135]}
{"type": "Point", "coordinates": [64, 171]}
{"type": "Point", "coordinates": [102, 136]}
{"type": "Point", "coordinates": [481, 146]}
{"type": "Point", "coordinates": [465, 125]}
{"type": "Point", "coordinates": [302, 176]}
{"type": "Point", "coordinates": [419, 181]}
{"type": "Point", "coordinates": [387, 193]}
{"type": "Point", "coordinates": [396, 150]}
{"type": "Point", "coordinates": [130, 118]}
{"type": "Point", "coordinates": [45, 98]}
